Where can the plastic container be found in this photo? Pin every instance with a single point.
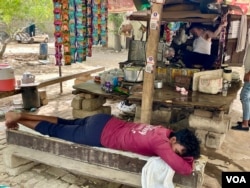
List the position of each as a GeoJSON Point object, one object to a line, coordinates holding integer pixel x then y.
{"type": "Point", "coordinates": [43, 51]}
{"type": "Point", "coordinates": [7, 78]}
{"type": "Point", "coordinates": [30, 96]}
{"type": "Point", "coordinates": [227, 74]}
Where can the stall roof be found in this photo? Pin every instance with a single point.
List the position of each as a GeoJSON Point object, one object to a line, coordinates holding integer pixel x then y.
{"type": "Point", "coordinates": [171, 16]}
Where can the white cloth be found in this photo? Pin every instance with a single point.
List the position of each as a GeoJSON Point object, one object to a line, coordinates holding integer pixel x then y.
{"type": "Point", "coordinates": [242, 35]}
{"type": "Point", "coordinates": [156, 173]}
{"type": "Point", "coordinates": [202, 46]}
{"type": "Point", "coordinates": [246, 59]}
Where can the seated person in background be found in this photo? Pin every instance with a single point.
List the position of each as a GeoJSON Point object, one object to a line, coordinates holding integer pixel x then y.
{"type": "Point", "coordinates": [201, 53]}
{"type": "Point", "coordinates": [177, 149]}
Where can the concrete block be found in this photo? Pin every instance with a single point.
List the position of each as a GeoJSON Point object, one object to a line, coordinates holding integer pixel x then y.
{"type": "Point", "coordinates": [208, 124]}
{"type": "Point", "coordinates": [42, 94]}
{"type": "Point", "coordinates": [106, 109]}
{"type": "Point", "coordinates": [214, 140]}
{"type": "Point", "coordinates": [89, 96]}
{"type": "Point", "coordinates": [84, 113]}
{"type": "Point", "coordinates": [201, 134]}
{"type": "Point", "coordinates": [203, 113]}
{"type": "Point", "coordinates": [20, 169]}
{"type": "Point", "coordinates": [218, 116]}
{"type": "Point", "coordinates": [12, 161]}
{"type": "Point", "coordinates": [82, 95]}
{"type": "Point", "coordinates": [163, 115]}
{"type": "Point", "coordinates": [44, 101]}
{"type": "Point", "coordinates": [93, 104]}
{"type": "Point", "coordinates": [76, 102]}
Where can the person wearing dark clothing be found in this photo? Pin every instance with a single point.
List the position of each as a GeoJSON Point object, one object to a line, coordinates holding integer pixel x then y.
{"type": "Point", "coordinates": [177, 149]}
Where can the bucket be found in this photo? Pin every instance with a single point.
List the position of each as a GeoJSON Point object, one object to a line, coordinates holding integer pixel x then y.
{"type": "Point", "coordinates": [7, 78]}
{"type": "Point", "coordinates": [30, 96]}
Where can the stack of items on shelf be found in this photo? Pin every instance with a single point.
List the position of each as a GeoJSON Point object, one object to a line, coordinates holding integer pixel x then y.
{"type": "Point", "coordinates": [78, 25]}
{"type": "Point", "coordinates": [234, 29]}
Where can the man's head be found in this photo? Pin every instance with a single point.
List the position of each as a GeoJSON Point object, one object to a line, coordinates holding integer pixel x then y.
{"type": "Point", "coordinates": [195, 29]}
{"type": "Point", "coordinates": [185, 143]}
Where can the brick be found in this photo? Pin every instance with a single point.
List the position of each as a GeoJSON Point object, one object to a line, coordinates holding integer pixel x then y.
{"type": "Point", "coordinates": [83, 113]}
{"type": "Point", "coordinates": [69, 178]}
{"type": "Point", "coordinates": [207, 124]}
{"type": "Point", "coordinates": [44, 101]}
{"type": "Point", "coordinates": [218, 116]}
{"type": "Point", "coordinates": [214, 140]}
{"type": "Point", "coordinates": [93, 104]}
{"type": "Point", "coordinates": [56, 172]}
{"type": "Point", "coordinates": [76, 102]}
{"type": "Point", "coordinates": [203, 113]}
{"type": "Point", "coordinates": [201, 134]}
{"type": "Point", "coordinates": [42, 94]}
{"type": "Point", "coordinates": [89, 96]}
{"type": "Point", "coordinates": [106, 109]}
{"type": "Point", "coordinates": [163, 115]}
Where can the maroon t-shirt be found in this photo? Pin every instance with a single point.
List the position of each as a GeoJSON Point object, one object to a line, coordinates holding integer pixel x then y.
{"type": "Point", "coordinates": [144, 139]}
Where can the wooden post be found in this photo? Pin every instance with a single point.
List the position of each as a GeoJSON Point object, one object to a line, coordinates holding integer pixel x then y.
{"type": "Point", "coordinates": [151, 51]}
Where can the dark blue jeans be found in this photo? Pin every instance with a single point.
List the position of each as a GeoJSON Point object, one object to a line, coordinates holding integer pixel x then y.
{"type": "Point", "coordinates": [194, 58]}
{"type": "Point", "coordinates": [87, 130]}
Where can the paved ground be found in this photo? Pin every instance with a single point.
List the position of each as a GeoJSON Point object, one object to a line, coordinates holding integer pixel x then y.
{"type": "Point", "coordinates": [234, 154]}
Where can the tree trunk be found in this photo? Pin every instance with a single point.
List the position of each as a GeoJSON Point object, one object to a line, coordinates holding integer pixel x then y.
{"type": "Point", "coordinates": [4, 45]}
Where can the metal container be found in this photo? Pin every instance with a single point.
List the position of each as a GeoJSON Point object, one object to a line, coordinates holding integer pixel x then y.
{"type": "Point", "coordinates": [133, 74]}
{"type": "Point", "coordinates": [158, 84]}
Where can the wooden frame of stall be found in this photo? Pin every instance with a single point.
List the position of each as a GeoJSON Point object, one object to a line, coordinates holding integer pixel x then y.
{"type": "Point", "coordinates": [176, 12]}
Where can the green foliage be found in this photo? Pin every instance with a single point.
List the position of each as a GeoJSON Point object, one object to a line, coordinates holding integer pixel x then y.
{"type": "Point", "coordinates": [117, 20]}
{"type": "Point", "coordinates": [27, 11]}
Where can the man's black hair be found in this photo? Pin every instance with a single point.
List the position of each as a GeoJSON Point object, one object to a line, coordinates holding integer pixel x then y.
{"type": "Point", "coordinates": [187, 138]}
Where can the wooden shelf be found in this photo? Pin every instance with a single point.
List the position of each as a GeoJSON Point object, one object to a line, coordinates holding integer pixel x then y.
{"type": "Point", "coordinates": [174, 16]}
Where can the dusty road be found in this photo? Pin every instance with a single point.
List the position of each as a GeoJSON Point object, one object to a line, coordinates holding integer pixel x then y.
{"type": "Point", "coordinates": [234, 154]}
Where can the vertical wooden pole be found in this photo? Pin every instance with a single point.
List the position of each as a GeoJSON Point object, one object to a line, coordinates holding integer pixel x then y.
{"type": "Point", "coordinates": [151, 51]}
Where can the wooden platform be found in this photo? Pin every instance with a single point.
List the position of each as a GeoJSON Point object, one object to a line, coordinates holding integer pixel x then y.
{"type": "Point", "coordinates": [56, 80]}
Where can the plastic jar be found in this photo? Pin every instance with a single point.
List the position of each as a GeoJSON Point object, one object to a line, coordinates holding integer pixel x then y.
{"type": "Point", "coordinates": [227, 74]}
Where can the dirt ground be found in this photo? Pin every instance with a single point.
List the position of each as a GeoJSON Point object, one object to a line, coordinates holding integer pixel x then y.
{"type": "Point", "coordinates": [234, 154]}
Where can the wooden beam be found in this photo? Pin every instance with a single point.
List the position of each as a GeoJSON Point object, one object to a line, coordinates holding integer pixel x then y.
{"type": "Point", "coordinates": [148, 82]}
{"type": "Point", "coordinates": [177, 16]}
{"type": "Point", "coordinates": [69, 77]}
{"type": "Point", "coordinates": [52, 81]}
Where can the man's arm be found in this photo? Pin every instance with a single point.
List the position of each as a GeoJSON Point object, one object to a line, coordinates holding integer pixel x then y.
{"type": "Point", "coordinates": [181, 165]}
{"type": "Point", "coordinates": [218, 30]}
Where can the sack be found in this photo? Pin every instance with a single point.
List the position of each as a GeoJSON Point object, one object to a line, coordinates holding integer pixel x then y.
{"type": "Point", "coordinates": [210, 84]}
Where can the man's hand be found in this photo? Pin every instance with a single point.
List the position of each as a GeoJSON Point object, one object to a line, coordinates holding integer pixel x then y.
{"type": "Point", "coordinates": [11, 119]}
